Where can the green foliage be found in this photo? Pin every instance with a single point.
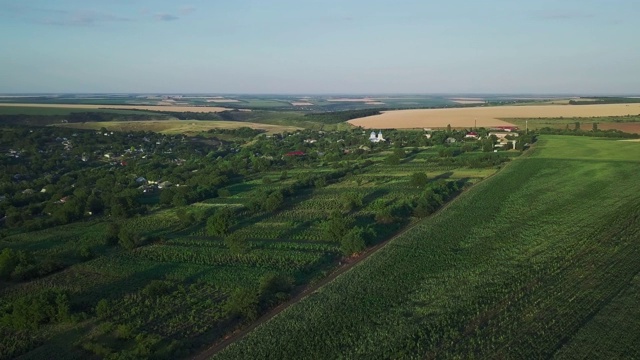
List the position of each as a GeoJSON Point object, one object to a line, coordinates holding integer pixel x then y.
{"type": "Point", "coordinates": [282, 223]}
{"type": "Point", "coordinates": [449, 152]}
{"type": "Point", "coordinates": [469, 282]}
{"type": "Point", "coordinates": [220, 222]}
{"type": "Point", "coordinates": [124, 332]}
{"type": "Point", "coordinates": [268, 201]}
{"type": "Point", "coordinates": [157, 288]}
{"type": "Point", "coordinates": [353, 241]}
{"type": "Point", "coordinates": [600, 133]}
{"type": "Point", "coordinates": [336, 226]}
{"type": "Point", "coordinates": [351, 201]}
{"type": "Point", "coordinates": [236, 243]}
{"type": "Point", "coordinates": [487, 144]}
{"type": "Point", "coordinates": [8, 262]}
{"type": "Point", "coordinates": [85, 253]}
{"type": "Point", "coordinates": [243, 303]}
{"type": "Point", "coordinates": [418, 179]}
{"type": "Point", "coordinates": [112, 234]}
{"type": "Point", "coordinates": [392, 159]}
{"type": "Point", "coordinates": [341, 116]}
{"type": "Point", "coordinates": [385, 216]}
{"type": "Point", "coordinates": [29, 312]}
{"type": "Point", "coordinates": [187, 218]}
{"type": "Point", "coordinates": [103, 308]}
{"type": "Point", "coordinates": [129, 239]}
{"type": "Point", "coordinates": [224, 193]}
{"type": "Point", "coordinates": [275, 288]}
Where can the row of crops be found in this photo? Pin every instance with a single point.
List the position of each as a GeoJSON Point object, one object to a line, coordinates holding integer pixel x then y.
{"type": "Point", "coordinates": [173, 291]}
{"type": "Point", "coordinates": [530, 264]}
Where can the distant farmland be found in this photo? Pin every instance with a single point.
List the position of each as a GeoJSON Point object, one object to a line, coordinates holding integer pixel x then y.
{"type": "Point", "coordinates": [171, 108]}
{"type": "Point", "coordinates": [189, 127]}
{"type": "Point", "coordinates": [486, 116]}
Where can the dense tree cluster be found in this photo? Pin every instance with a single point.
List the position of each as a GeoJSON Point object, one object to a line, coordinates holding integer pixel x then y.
{"type": "Point", "coordinates": [595, 132]}
{"type": "Point", "coordinates": [341, 116]}
{"type": "Point", "coordinates": [78, 117]}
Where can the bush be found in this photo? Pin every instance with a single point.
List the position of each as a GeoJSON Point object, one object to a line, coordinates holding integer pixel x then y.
{"type": "Point", "coordinates": [103, 309]}
{"type": "Point", "coordinates": [418, 179]}
{"type": "Point", "coordinates": [8, 262]}
{"type": "Point", "coordinates": [224, 193]}
{"type": "Point", "coordinates": [129, 240]}
{"type": "Point", "coordinates": [353, 241]}
{"type": "Point", "coordinates": [243, 303]}
{"type": "Point", "coordinates": [236, 243]}
{"type": "Point", "coordinates": [219, 223]}
{"type": "Point", "coordinates": [157, 288]}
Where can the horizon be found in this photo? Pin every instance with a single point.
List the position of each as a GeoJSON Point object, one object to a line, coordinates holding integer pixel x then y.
{"type": "Point", "coordinates": [380, 94]}
{"type": "Point", "coordinates": [330, 47]}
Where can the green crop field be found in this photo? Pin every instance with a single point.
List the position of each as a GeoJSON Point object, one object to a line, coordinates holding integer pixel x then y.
{"type": "Point", "coordinates": [173, 291]}
{"type": "Point", "coordinates": [586, 123]}
{"type": "Point", "coordinates": [539, 261]}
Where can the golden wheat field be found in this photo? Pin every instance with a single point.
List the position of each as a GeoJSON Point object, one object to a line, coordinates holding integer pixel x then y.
{"type": "Point", "coordinates": [172, 108]}
{"type": "Point", "coordinates": [486, 116]}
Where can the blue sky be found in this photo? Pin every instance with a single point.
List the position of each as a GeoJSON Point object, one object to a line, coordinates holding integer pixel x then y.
{"type": "Point", "coordinates": [330, 46]}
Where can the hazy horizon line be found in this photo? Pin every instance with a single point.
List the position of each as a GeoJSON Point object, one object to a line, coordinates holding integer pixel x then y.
{"type": "Point", "coordinates": [564, 94]}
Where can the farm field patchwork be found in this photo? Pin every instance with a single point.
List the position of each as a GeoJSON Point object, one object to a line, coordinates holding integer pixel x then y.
{"type": "Point", "coordinates": [188, 127]}
{"type": "Point", "coordinates": [199, 109]}
{"type": "Point", "coordinates": [174, 290]}
{"type": "Point", "coordinates": [538, 261]}
{"type": "Point", "coordinates": [486, 116]}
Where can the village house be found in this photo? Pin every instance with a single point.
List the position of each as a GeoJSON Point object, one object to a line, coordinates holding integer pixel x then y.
{"type": "Point", "coordinates": [472, 135]}
{"type": "Point", "coordinates": [164, 185]}
{"type": "Point", "coordinates": [506, 128]}
{"type": "Point", "coordinates": [503, 135]}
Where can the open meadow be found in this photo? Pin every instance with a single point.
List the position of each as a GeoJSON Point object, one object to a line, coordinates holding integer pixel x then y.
{"type": "Point", "coordinates": [539, 261]}
{"type": "Point", "coordinates": [486, 116]}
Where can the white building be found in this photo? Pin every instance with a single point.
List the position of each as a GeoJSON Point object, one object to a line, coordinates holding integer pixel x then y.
{"type": "Point", "coordinates": [375, 139]}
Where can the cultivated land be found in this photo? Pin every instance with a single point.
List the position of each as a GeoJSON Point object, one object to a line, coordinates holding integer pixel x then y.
{"type": "Point", "coordinates": [105, 264]}
{"type": "Point", "coordinates": [629, 124]}
{"type": "Point", "coordinates": [199, 109]}
{"type": "Point", "coordinates": [539, 261]}
{"type": "Point", "coordinates": [188, 127]}
{"type": "Point", "coordinates": [486, 116]}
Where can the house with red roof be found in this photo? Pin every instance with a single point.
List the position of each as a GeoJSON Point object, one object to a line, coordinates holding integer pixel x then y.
{"type": "Point", "coordinates": [471, 135]}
